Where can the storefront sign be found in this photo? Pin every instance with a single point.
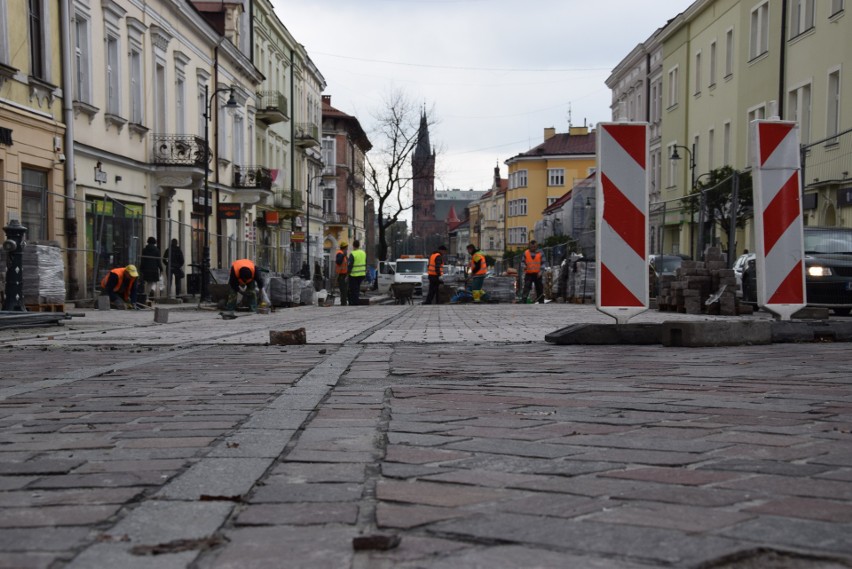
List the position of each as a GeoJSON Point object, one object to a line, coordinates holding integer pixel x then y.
{"type": "Point", "coordinates": [229, 210]}
{"type": "Point", "coordinates": [297, 236]}
{"type": "Point", "coordinates": [271, 217]}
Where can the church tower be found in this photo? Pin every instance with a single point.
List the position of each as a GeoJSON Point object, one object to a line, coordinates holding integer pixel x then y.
{"type": "Point", "coordinates": [424, 224]}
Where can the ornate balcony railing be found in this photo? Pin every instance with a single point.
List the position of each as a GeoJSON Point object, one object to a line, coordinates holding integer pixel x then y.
{"type": "Point", "coordinates": [336, 218]}
{"type": "Point", "coordinates": [252, 177]}
{"type": "Point", "coordinates": [307, 134]}
{"type": "Point", "coordinates": [180, 150]}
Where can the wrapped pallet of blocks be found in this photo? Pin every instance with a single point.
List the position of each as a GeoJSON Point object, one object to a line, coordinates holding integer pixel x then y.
{"type": "Point", "coordinates": [43, 273]}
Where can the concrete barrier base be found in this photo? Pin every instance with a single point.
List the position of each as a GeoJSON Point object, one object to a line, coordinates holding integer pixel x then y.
{"type": "Point", "coordinates": [716, 333]}
{"type": "Point", "coordinates": [604, 334]}
{"type": "Point", "coordinates": [819, 331]}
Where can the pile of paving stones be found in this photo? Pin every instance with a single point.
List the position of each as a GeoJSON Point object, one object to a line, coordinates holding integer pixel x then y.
{"type": "Point", "coordinates": [702, 287]}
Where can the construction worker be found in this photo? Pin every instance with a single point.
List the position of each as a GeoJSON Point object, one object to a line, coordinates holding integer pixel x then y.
{"type": "Point", "coordinates": [477, 270]}
{"type": "Point", "coordinates": [435, 270]}
{"type": "Point", "coordinates": [341, 264]}
{"type": "Point", "coordinates": [244, 278]}
{"type": "Point", "coordinates": [120, 285]}
{"type": "Point", "coordinates": [357, 272]}
{"type": "Point", "coordinates": [532, 273]}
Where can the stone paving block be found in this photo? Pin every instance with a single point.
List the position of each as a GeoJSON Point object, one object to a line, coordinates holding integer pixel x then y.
{"type": "Point", "coordinates": [514, 556]}
{"type": "Point", "coordinates": [103, 480]}
{"type": "Point", "coordinates": [309, 455]}
{"type": "Point", "coordinates": [56, 516]}
{"type": "Point", "coordinates": [434, 494]}
{"type": "Point", "coordinates": [781, 468]}
{"type": "Point", "coordinates": [294, 473]}
{"type": "Point", "coordinates": [420, 455]}
{"type": "Point", "coordinates": [301, 514]}
{"type": "Point", "coordinates": [765, 484]}
{"type": "Point", "coordinates": [131, 466]}
{"type": "Point", "coordinates": [806, 508]}
{"type": "Point", "coordinates": [685, 518]}
{"type": "Point", "coordinates": [54, 466]}
{"type": "Point", "coordinates": [808, 535]}
{"type": "Point", "coordinates": [416, 551]}
{"type": "Point", "coordinates": [554, 505]}
{"type": "Point", "coordinates": [484, 478]}
{"type": "Point", "coordinates": [672, 476]}
{"type": "Point", "coordinates": [252, 443]}
{"type": "Point", "coordinates": [43, 539]}
{"type": "Point", "coordinates": [400, 470]}
{"type": "Point", "coordinates": [222, 477]}
{"type": "Point", "coordinates": [648, 545]}
{"type": "Point", "coordinates": [156, 522]}
{"type": "Point", "coordinates": [15, 482]}
{"type": "Point", "coordinates": [646, 457]}
{"type": "Point", "coordinates": [84, 496]}
{"type": "Point", "coordinates": [27, 560]}
{"type": "Point", "coordinates": [278, 491]}
{"type": "Point", "coordinates": [517, 448]}
{"type": "Point", "coordinates": [110, 556]}
{"type": "Point", "coordinates": [263, 548]}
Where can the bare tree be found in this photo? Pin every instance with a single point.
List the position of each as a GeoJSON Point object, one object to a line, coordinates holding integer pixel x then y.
{"type": "Point", "coordinates": [389, 172]}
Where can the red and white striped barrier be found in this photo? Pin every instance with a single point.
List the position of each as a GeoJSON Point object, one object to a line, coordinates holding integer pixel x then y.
{"type": "Point", "coordinates": [622, 220]}
{"type": "Point", "coordinates": [778, 217]}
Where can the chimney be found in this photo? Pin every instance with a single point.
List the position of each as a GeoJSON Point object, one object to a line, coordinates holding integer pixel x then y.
{"type": "Point", "coordinates": [549, 133]}
{"type": "Point", "coordinates": [326, 99]}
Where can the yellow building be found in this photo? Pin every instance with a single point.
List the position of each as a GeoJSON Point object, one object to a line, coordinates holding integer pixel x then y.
{"type": "Point", "coordinates": [32, 129]}
{"type": "Point", "coordinates": [540, 176]}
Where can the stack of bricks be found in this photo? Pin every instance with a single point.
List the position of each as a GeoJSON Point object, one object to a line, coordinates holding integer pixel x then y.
{"type": "Point", "coordinates": [694, 283]}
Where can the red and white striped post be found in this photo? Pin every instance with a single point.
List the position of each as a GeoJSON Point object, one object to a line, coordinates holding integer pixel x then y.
{"type": "Point", "coordinates": [622, 220]}
{"type": "Point", "coordinates": [778, 217]}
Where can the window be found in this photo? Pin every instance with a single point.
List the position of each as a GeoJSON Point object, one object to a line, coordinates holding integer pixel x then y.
{"type": "Point", "coordinates": [82, 60]}
{"type": "Point", "coordinates": [759, 43]}
{"type": "Point", "coordinates": [799, 110]}
{"type": "Point", "coordinates": [160, 99]}
{"type": "Point", "coordinates": [836, 7]}
{"type": "Point", "coordinates": [518, 207]}
{"type": "Point", "coordinates": [801, 17]}
{"type": "Point", "coordinates": [711, 139]}
{"type": "Point", "coordinates": [555, 176]}
{"type": "Point", "coordinates": [136, 105]}
{"type": "Point", "coordinates": [833, 104]}
{"type": "Point", "coordinates": [757, 113]}
{"type": "Point", "coordinates": [726, 143]}
{"type": "Point", "coordinates": [239, 136]}
{"type": "Point", "coordinates": [729, 53]}
{"type": "Point", "coordinates": [34, 203]}
{"type": "Point", "coordinates": [113, 76]}
{"type": "Point", "coordinates": [4, 25]}
{"type": "Point", "coordinates": [698, 73]}
{"type": "Point", "coordinates": [328, 198]}
{"type": "Point", "coordinates": [551, 201]}
{"type": "Point", "coordinates": [36, 38]}
{"type": "Point", "coordinates": [517, 235]}
{"type": "Point", "coordinates": [328, 155]}
{"type": "Point", "coordinates": [180, 106]}
{"type": "Point", "coordinates": [673, 87]}
{"type": "Point", "coordinates": [519, 178]}
{"type": "Point", "coordinates": [202, 109]}
{"type": "Point", "coordinates": [712, 76]}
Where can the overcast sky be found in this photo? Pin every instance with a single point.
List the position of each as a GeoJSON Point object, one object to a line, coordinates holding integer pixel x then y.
{"type": "Point", "coordinates": [497, 72]}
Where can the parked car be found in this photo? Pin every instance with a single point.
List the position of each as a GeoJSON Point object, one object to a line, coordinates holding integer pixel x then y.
{"type": "Point", "coordinates": [660, 265]}
{"type": "Point", "coordinates": [739, 265]}
{"type": "Point", "coordinates": [828, 270]}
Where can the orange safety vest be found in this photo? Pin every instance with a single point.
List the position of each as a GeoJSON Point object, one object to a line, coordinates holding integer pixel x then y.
{"type": "Point", "coordinates": [482, 268]}
{"type": "Point", "coordinates": [121, 273]}
{"type": "Point", "coordinates": [343, 267]}
{"type": "Point", "coordinates": [240, 264]}
{"type": "Point", "coordinates": [434, 269]}
{"type": "Point", "coordinates": [532, 263]}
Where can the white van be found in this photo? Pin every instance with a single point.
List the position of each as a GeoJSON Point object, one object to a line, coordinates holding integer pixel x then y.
{"type": "Point", "coordinates": [407, 269]}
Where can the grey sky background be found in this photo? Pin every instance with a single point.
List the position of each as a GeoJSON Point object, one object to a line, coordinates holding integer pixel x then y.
{"type": "Point", "coordinates": [497, 72]}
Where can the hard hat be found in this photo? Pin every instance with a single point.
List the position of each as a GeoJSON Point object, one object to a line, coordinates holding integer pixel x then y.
{"type": "Point", "coordinates": [344, 244]}
{"type": "Point", "coordinates": [131, 270]}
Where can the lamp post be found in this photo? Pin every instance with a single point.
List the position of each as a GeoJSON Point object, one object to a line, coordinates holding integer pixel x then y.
{"type": "Point", "coordinates": [205, 254]}
{"type": "Point", "coordinates": [320, 186]}
{"type": "Point", "coordinates": [691, 153]}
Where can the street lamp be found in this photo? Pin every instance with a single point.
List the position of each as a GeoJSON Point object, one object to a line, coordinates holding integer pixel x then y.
{"type": "Point", "coordinates": [205, 254]}
{"type": "Point", "coordinates": [691, 153]}
{"type": "Point", "coordinates": [320, 186]}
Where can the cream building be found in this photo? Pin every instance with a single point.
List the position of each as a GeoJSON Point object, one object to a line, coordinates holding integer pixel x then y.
{"type": "Point", "coordinates": [728, 62]}
{"type": "Point", "coordinates": [151, 83]}
{"type": "Point", "coordinates": [488, 218]}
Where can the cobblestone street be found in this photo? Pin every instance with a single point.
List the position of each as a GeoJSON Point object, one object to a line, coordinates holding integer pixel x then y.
{"type": "Point", "coordinates": [195, 444]}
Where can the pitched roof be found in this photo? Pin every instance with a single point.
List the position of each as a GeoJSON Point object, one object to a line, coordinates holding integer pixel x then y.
{"type": "Point", "coordinates": [356, 132]}
{"type": "Point", "coordinates": [562, 144]}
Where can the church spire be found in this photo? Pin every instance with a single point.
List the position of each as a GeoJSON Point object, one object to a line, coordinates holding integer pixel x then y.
{"type": "Point", "coordinates": [424, 149]}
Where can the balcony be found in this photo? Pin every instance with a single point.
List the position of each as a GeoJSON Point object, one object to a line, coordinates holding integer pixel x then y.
{"type": "Point", "coordinates": [252, 177]}
{"type": "Point", "coordinates": [290, 203]}
{"type": "Point", "coordinates": [271, 107]}
{"type": "Point", "coordinates": [336, 218]}
{"type": "Point", "coordinates": [179, 150]}
{"type": "Point", "coordinates": [307, 135]}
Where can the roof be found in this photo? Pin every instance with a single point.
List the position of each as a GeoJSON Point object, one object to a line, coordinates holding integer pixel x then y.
{"type": "Point", "coordinates": [562, 144]}
{"type": "Point", "coordinates": [355, 131]}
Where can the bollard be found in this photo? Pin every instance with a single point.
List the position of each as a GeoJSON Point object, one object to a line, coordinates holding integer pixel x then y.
{"type": "Point", "coordinates": [103, 302]}
{"type": "Point", "coordinates": [14, 247]}
{"type": "Point", "coordinates": [161, 315]}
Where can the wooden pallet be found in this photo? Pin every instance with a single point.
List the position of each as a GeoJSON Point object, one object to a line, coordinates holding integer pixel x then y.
{"type": "Point", "coordinates": [45, 307]}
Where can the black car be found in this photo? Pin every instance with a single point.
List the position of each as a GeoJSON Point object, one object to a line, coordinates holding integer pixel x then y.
{"type": "Point", "coordinates": [828, 270]}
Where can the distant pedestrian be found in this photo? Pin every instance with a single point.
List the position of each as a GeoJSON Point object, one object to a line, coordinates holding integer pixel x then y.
{"type": "Point", "coordinates": [173, 260]}
{"type": "Point", "coordinates": [435, 271]}
{"type": "Point", "coordinates": [151, 267]}
{"type": "Point", "coordinates": [120, 285]}
{"type": "Point", "coordinates": [244, 279]}
{"type": "Point", "coordinates": [532, 273]}
{"type": "Point", "coordinates": [357, 272]}
{"type": "Point", "coordinates": [341, 265]}
{"type": "Point", "coordinates": [477, 269]}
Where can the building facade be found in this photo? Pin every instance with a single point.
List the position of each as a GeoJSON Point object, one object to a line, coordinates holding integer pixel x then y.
{"type": "Point", "coordinates": [540, 176]}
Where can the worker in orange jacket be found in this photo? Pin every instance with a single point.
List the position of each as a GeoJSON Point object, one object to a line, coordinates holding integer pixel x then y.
{"type": "Point", "coordinates": [244, 278]}
{"type": "Point", "coordinates": [434, 271]}
{"type": "Point", "coordinates": [533, 262]}
{"type": "Point", "coordinates": [341, 265]}
{"type": "Point", "coordinates": [120, 285]}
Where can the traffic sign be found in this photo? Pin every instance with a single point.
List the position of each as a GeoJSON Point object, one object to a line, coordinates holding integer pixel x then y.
{"type": "Point", "coordinates": [622, 220]}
